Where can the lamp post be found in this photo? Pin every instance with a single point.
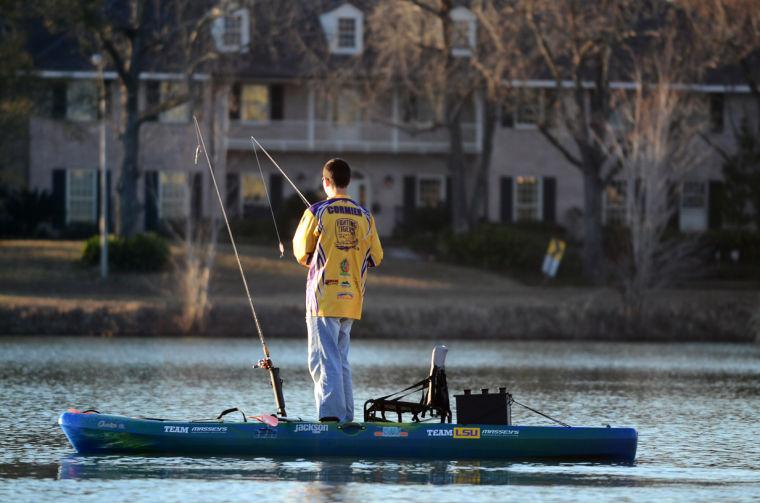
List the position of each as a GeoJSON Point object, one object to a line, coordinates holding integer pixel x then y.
{"type": "Point", "coordinates": [97, 62]}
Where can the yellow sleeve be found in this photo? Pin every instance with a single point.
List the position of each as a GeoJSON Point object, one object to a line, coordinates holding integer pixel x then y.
{"type": "Point", "coordinates": [305, 239]}
{"type": "Point", "coordinates": [375, 249]}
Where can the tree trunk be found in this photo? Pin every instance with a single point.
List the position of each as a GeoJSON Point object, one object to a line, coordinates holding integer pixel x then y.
{"type": "Point", "coordinates": [459, 220]}
{"type": "Point", "coordinates": [478, 205]}
{"type": "Point", "coordinates": [129, 208]}
{"type": "Point", "coordinates": [593, 251]}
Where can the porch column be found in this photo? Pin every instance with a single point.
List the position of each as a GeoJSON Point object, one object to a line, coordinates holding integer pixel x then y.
{"type": "Point", "coordinates": [310, 118]}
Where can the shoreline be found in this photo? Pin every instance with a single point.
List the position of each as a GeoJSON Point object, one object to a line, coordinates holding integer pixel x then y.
{"type": "Point", "coordinates": [721, 322]}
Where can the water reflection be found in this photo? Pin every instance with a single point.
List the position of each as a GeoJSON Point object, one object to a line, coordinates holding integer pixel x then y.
{"type": "Point", "coordinates": [334, 472]}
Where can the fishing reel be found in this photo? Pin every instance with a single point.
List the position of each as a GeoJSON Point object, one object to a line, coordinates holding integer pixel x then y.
{"type": "Point", "coordinates": [264, 363]}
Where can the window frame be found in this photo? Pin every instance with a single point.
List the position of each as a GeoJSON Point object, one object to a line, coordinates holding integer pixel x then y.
{"type": "Point", "coordinates": [339, 34]}
{"type": "Point", "coordinates": [441, 179]}
{"type": "Point", "coordinates": [72, 106]}
{"type": "Point", "coordinates": [241, 104]}
{"type": "Point", "coordinates": [330, 26]}
{"type": "Point", "coordinates": [516, 206]}
{"type": "Point", "coordinates": [242, 204]}
{"type": "Point", "coordinates": [622, 187]}
{"type": "Point", "coordinates": [464, 15]}
{"type": "Point", "coordinates": [219, 31]}
{"type": "Point", "coordinates": [185, 197]}
{"type": "Point", "coordinates": [94, 202]}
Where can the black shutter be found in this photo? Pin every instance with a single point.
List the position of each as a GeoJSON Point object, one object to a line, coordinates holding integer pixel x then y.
{"type": "Point", "coordinates": [196, 197]}
{"type": "Point", "coordinates": [506, 199]}
{"type": "Point", "coordinates": [715, 196]}
{"type": "Point", "coordinates": [233, 194]}
{"type": "Point", "coordinates": [58, 97]}
{"type": "Point", "coordinates": [275, 190]}
{"type": "Point", "coordinates": [152, 96]}
{"type": "Point", "coordinates": [449, 192]}
{"type": "Point", "coordinates": [59, 198]}
{"type": "Point", "coordinates": [276, 102]}
{"type": "Point", "coordinates": [109, 210]}
{"type": "Point", "coordinates": [410, 196]}
{"type": "Point", "coordinates": [550, 199]}
{"type": "Point", "coordinates": [151, 200]}
{"type": "Point", "coordinates": [234, 105]}
{"type": "Point", "coordinates": [673, 206]}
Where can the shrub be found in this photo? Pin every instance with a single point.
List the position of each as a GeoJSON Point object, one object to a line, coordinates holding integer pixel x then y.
{"type": "Point", "coordinates": [140, 253]}
{"type": "Point", "coordinates": [25, 213]}
{"type": "Point", "coordinates": [517, 249]}
{"type": "Point", "coordinates": [723, 242]}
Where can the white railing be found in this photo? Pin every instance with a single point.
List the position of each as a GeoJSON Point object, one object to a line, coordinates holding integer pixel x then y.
{"type": "Point", "coordinates": [304, 135]}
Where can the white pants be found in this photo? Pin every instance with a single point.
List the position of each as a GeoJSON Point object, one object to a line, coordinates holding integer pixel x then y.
{"type": "Point", "coordinates": [329, 339]}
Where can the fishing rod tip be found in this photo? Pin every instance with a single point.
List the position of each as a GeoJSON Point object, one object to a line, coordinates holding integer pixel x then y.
{"type": "Point", "coordinates": [282, 250]}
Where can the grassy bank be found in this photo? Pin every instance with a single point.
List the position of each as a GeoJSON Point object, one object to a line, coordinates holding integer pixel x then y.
{"type": "Point", "coordinates": [43, 290]}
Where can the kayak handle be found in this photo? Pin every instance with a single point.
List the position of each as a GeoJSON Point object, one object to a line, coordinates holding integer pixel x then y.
{"type": "Point", "coordinates": [233, 409]}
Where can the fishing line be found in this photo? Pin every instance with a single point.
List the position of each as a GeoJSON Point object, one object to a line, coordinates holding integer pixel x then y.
{"type": "Point", "coordinates": [256, 142]}
{"type": "Point", "coordinates": [271, 208]}
{"type": "Point", "coordinates": [202, 144]}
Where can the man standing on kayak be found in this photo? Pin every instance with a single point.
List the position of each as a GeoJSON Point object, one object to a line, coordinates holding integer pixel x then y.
{"type": "Point", "coordinates": [337, 240]}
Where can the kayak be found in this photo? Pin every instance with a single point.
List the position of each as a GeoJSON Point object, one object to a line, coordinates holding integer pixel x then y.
{"type": "Point", "coordinates": [95, 433]}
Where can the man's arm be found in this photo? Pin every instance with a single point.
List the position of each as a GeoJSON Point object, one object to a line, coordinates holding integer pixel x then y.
{"type": "Point", "coordinates": [375, 249]}
{"type": "Point", "coordinates": [305, 239]}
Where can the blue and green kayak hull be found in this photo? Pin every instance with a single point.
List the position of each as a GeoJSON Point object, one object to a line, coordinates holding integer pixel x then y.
{"type": "Point", "coordinates": [111, 434]}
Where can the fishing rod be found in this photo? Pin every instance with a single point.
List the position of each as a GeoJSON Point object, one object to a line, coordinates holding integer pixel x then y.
{"type": "Point", "coordinates": [266, 362]}
{"type": "Point", "coordinates": [255, 142]}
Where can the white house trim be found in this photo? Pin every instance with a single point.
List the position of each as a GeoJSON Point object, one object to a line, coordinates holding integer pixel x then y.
{"type": "Point", "coordinates": [218, 31]}
{"type": "Point", "coordinates": [463, 15]}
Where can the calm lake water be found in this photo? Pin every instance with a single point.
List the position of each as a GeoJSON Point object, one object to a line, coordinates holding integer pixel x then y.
{"type": "Point", "coordinates": [696, 408]}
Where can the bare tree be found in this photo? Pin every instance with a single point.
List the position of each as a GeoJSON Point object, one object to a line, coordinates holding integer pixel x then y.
{"type": "Point", "coordinates": [582, 46]}
{"type": "Point", "coordinates": [655, 147]}
{"type": "Point", "coordinates": [139, 36]}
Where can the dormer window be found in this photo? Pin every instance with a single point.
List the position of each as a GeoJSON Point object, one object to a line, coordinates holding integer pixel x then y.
{"type": "Point", "coordinates": [346, 33]}
{"type": "Point", "coordinates": [231, 31]}
{"type": "Point", "coordinates": [344, 29]}
{"type": "Point", "coordinates": [463, 32]}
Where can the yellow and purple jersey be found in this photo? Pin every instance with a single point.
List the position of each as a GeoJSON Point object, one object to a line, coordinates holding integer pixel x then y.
{"type": "Point", "coordinates": [337, 240]}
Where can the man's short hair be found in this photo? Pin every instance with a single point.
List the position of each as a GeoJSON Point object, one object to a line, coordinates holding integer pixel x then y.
{"type": "Point", "coordinates": [339, 172]}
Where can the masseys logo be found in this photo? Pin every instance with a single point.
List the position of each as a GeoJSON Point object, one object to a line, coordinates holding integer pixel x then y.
{"type": "Point", "coordinates": [466, 432]}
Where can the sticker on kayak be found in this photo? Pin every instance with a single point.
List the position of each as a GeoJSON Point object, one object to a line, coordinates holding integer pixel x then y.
{"type": "Point", "coordinates": [500, 433]}
{"type": "Point", "coordinates": [466, 432]}
{"type": "Point", "coordinates": [391, 432]}
{"type": "Point", "coordinates": [265, 433]}
{"type": "Point", "coordinates": [311, 428]}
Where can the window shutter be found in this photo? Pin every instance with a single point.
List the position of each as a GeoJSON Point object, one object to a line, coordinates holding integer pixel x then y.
{"type": "Point", "coordinates": [233, 194]}
{"type": "Point", "coordinates": [196, 197]}
{"type": "Point", "coordinates": [506, 199]}
{"type": "Point", "coordinates": [275, 190]}
{"type": "Point", "coordinates": [449, 192]}
{"type": "Point", "coordinates": [59, 198]}
{"type": "Point", "coordinates": [715, 196]}
{"type": "Point", "coordinates": [673, 206]}
{"type": "Point", "coordinates": [550, 199]}
{"type": "Point", "coordinates": [151, 200]}
{"type": "Point", "coordinates": [276, 102]}
{"type": "Point", "coordinates": [410, 196]}
{"type": "Point", "coordinates": [235, 96]}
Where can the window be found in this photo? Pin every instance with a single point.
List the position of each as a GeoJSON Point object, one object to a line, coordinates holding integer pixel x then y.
{"type": "Point", "coordinates": [254, 103]}
{"type": "Point", "coordinates": [344, 29]}
{"type": "Point", "coordinates": [430, 193]}
{"type": "Point", "coordinates": [169, 90]}
{"type": "Point", "coordinates": [172, 196]}
{"type": "Point", "coordinates": [463, 32]}
{"type": "Point", "coordinates": [527, 199]}
{"type": "Point", "coordinates": [417, 109]}
{"type": "Point", "coordinates": [693, 211]}
{"type": "Point", "coordinates": [81, 195]}
{"type": "Point", "coordinates": [82, 100]}
{"type": "Point", "coordinates": [347, 32]}
{"type": "Point", "coordinates": [231, 32]}
{"type": "Point", "coordinates": [615, 203]}
{"type": "Point", "coordinates": [341, 107]}
{"type": "Point", "coordinates": [254, 192]}
{"type": "Point", "coordinates": [528, 109]}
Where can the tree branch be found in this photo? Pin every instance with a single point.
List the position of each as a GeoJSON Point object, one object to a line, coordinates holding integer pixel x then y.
{"type": "Point", "coordinates": [563, 150]}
